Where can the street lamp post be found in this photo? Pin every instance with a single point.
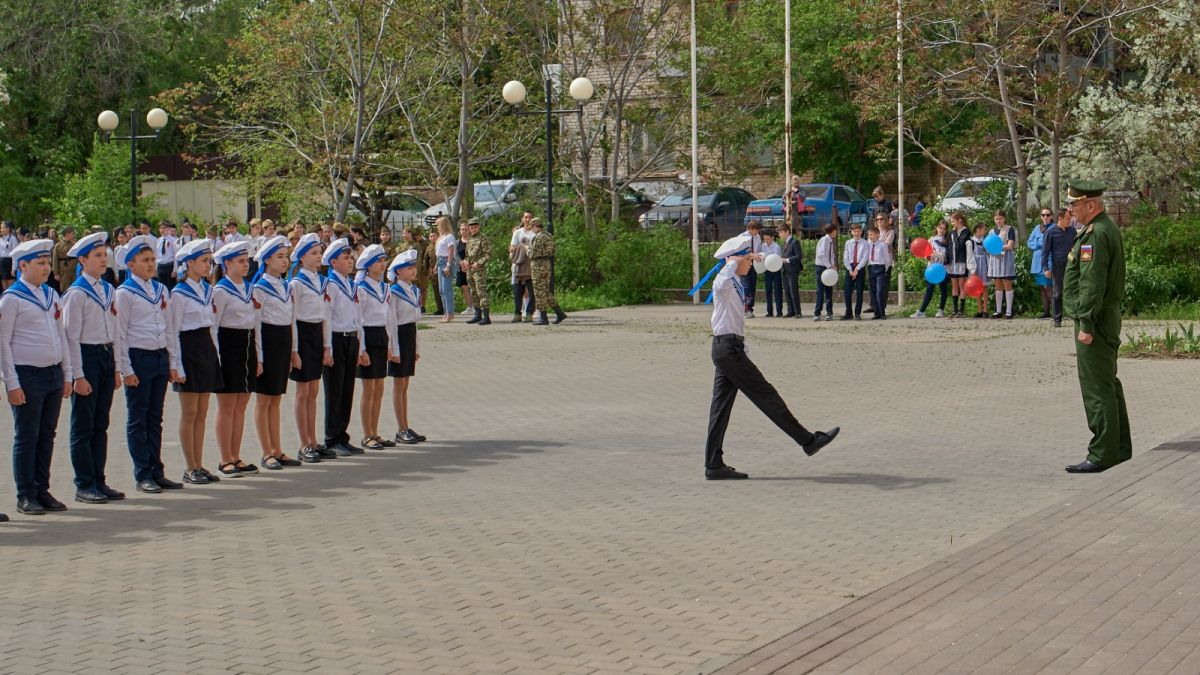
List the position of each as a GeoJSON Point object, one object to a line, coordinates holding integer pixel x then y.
{"type": "Point", "coordinates": [108, 120]}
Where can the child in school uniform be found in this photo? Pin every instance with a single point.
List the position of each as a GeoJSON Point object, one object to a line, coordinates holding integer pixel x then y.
{"type": "Point", "coordinates": [273, 347]}
{"type": "Point", "coordinates": [91, 333]}
{"type": "Point", "coordinates": [956, 262]}
{"type": "Point", "coordinates": [1002, 269]}
{"type": "Point", "coordinates": [344, 347]}
{"type": "Point", "coordinates": [195, 366]}
{"type": "Point", "coordinates": [772, 281]}
{"type": "Point", "coordinates": [854, 257]}
{"type": "Point", "coordinates": [826, 259]}
{"type": "Point", "coordinates": [142, 358]}
{"type": "Point", "coordinates": [374, 313]}
{"type": "Point", "coordinates": [404, 352]}
{"type": "Point", "coordinates": [978, 256]}
{"type": "Point", "coordinates": [36, 368]}
{"type": "Point", "coordinates": [877, 272]}
{"type": "Point", "coordinates": [308, 342]}
{"type": "Point", "coordinates": [938, 242]}
{"type": "Point", "coordinates": [236, 318]}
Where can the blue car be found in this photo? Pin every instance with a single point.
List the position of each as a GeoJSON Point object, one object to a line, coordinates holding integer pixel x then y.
{"type": "Point", "coordinates": [819, 200]}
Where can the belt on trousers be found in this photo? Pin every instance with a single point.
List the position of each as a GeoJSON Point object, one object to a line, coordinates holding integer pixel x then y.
{"type": "Point", "coordinates": [728, 337]}
{"type": "Point", "coordinates": [345, 334]}
{"type": "Point", "coordinates": [107, 346]}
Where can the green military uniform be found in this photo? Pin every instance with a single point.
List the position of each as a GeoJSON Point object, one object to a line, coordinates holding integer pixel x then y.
{"type": "Point", "coordinates": [1093, 288]}
{"type": "Point", "coordinates": [541, 255]}
{"type": "Point", "coordinates": [479, 252]}
{"type": "Point", "coordinates": [63, 265]}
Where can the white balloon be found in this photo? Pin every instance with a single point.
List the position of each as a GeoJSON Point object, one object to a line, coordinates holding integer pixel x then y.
{"type": "Point", "coordinates": [760, 266]}
{"type": "Point", "coordinates": [829, 277]}
{"type": "Point", "coordinates": [773, 262]}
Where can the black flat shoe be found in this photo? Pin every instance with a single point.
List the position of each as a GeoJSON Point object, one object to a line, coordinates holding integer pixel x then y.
{"type": "Point", "coordinates": [229, 470]}
{"type": "Point", "coordinates": [820, 440]}
{"type": "Point", "coordinates": [272, 464]}
{"type": "Point", "coordinates": [168, 484]}
{"type": "Point", "coordinates": [407, 438]}
{"type": "Point", "coordinates": [246, 467]}
{"type": "Point", "coordinates": [310, 456]}
{"type": "Point", "coordinates": [3, 518]}
{"type": "Point", "coordinates": [90, 496]}
{"type": "Point", "coordinates": [195, 477]}
{"type": "Point", "coordinates": [113, 495]}
{"type": "Point", "coordinates": [30, 507]}
{"type": "Point", "coordinates": [724, 473]}
{"type": "Point", "coordinates": [149, 487]}
{"type": "Point", "coordinates": [417, 436]}
{"type": "Point", "coordinates": [49, 503]}
{"type": "Point", "coordinates": [208, 474]}
{"type": "Point", "coordinates": [326, 453]}
{"type": "Point", "coordinates": [354, 449]}
{"type": "Point", "coordinates": [284, 460]}
{"type": "Point", "coordinates": [1086, 467]}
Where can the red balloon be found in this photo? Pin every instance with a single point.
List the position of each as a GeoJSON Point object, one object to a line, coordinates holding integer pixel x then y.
{"type": "Point", "coordinates": [921, 248]}
{"type": "Point", "coordinates": [973, 287]}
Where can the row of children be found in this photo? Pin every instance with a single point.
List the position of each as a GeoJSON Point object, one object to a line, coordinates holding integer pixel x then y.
{"type": "Point", "coordinates": [237, 337]}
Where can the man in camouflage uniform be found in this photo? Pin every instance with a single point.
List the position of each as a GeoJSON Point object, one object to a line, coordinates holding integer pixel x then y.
{"type": "Point", "coordinates": [1093, 288]}
{"type": "Point", "coordinates": [479, 252]}
{"type": "Point", "coordinates": [62, 264]}
{"type": "Point", "coordinates": [541, 256]}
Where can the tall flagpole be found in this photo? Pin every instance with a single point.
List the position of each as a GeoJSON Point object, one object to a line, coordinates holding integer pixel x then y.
{"type": "Point", "coordinates": [900, 245]}
{"type": "Point", "coordinates": [787, 107]}
{"type": "Point", "coordinates": [695, 168]}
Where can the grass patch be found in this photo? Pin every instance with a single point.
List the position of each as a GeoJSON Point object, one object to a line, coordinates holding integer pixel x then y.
{"type": "Point", "coordinates": [577, 300]}
{"type": "Point", "coordinates": [1177, 311]}
{"type": "Point", "coordinates": [1183, 343]}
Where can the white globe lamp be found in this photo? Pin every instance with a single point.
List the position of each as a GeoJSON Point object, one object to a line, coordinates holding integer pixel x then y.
{"type": "Point", "coordinates": [513, 93]}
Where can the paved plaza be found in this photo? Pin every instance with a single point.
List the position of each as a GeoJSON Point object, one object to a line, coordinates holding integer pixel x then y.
{"type": "Point", "coordinates": [558, 520]}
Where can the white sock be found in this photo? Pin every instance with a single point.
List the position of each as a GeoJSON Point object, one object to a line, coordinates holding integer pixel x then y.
{"type": "Point", "coordinates": [1009, 297]}
{"type": "Point", "coordinates": [999, 299]}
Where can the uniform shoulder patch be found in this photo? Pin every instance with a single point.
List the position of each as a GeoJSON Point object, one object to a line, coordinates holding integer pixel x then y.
{"type": "Point", "coordinates": [1085, 253]}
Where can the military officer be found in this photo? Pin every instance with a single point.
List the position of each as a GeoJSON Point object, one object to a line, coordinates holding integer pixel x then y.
{"type": "Point", "coordinates": [1093, 289]}
{"type": "Point", "coordinates": [541, 255]}
{"type": "Point", "coordinates": [479, 252]}
{"type": "Point", "coordinates": [64, 263]}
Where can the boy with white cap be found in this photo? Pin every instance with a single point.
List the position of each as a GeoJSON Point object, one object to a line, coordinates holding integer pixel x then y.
{"type": "Point", "coordinates": [344, 347]}
{"type": "Point", "coordinates": [734, 370]}
{"type": "Point", "coordinates": [142, 358]}
{"type": "Point", "coordinates": [88, 319]}
{"type": "Point", "coordinates": [406, 311]}
{"type": "Point", "coordinates": [35, 368]}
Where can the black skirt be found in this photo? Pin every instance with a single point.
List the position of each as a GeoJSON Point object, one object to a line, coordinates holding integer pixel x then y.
{"type": "Point", "coordinates": [377, 350]}
{"type": "Point", "coordinates": [201, 368]}
{"type": "Point", "coordinates": [239, 360]}
{"type": "Point", "coordinates": [277, 360]}
{"type": "Point", "coordinates": [406, 335]}
{"type": "Point", "coordinates": [311, 346]}
{"type": "Point", "coordinates": [6, 269]}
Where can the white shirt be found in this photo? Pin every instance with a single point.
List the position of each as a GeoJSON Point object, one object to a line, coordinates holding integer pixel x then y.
{"type": "Point", "coordinates": [343, 312]}
{"type": "Point", "coordinates": [165, 249]}
{"type": "Point", "coordinates": [88, 317]}
{"type": "Point", "coordinates": [118, 257]}
{"type": "Point", "coordinates": [826, 252]}
{"type": "Point", "coordinates": [31, 334]}
{"type": "Point", "coordinates": [855, 248]}
{"type": "Point", "coordinates": [728, 306]}
{"type": "Point", "coordinates": [879, 254]}
{"type": "Point", "coordinates": [444, 248]}
{"type": "Point", "coordinates": [235, 305]}
{"type": "Point", "coordinates": [373, 307]}
{"type": "Point", "coordinates": [755, 241]}
{"type": "Point", "coordinates": [405, 309]}
{"type": "Point", "coordinates": [142, 317]}
{"type": "Point", "coordinates": [7, 244]}
{"type": "Point", "coordinates": [236, 236]}
{"type": "Point", "coordinates": [769, 249]}
{"type": "Point", "coordinates": [191, 306]}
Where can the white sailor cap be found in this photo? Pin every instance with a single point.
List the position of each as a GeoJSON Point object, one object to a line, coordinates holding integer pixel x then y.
{"type": "Point", "coordinates": [335, 248]}
{"type": "Point", "coordinates": [87, 244]}
{"type": "Point", "coordinates": [739, 245]}
{"type": "Point", "coordinates": [35, 248]}
{"type": "Point", "coordinates": [305, 244]}
{"type": "Point", "coordinates": [270, 246]}
{"type": "Point", "coordinates": [369, 256]}
{"type": "Point", "coordinates": [191, 250]}
{"type": "Point", "coordinates": [142, 242]}
{"type": "Point", "coordinates": [403, 259]}
{"type": "Point", "coordinates": [231, 250]}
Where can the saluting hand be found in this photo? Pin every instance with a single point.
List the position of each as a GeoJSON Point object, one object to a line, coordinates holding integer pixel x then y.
{"type": "Point", "coordinates": [1084, 338]}
{"type": "Point", "coordinates": [16, 396]}
{"type": "Point", "coordinates": [82, 387]}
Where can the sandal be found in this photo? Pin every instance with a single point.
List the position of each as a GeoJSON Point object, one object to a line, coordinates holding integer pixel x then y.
{"type": "Point", "coordinates": [246, 468]}
{"type": "Point", "coordinates": [287, 461]}
{"type": "Point", "coordinates": [387, 443]}
{"type": "Point", "coordinates": [228, 469]}
{"type": "Point", "coordinates": [372, 443]}
{"type": "Point", "coordinates": [271, 463]}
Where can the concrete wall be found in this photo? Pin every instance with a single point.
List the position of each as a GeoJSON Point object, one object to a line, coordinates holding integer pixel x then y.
{"type": "Point", "coordinates": [212, 201]}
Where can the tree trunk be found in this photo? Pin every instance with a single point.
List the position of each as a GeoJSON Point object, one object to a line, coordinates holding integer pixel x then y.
{"type": "Point", "coordinates": [1018, 154]}
{"type": "Point", "coordinates": [614, 193]}
{"type": "Point", "coordinates": [465, 72]}
{"type": "Point", "coordinates": [1056, 137]}
{"type": "Point", "coordinates": [585, 163]}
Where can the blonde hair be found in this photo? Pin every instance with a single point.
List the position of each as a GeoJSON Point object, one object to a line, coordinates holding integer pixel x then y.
{"type": "Point", "coordinates": [444, 226]}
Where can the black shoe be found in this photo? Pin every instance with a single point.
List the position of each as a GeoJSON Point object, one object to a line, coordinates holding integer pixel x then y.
{"type": "Point", "coordinates": [90, 496]}
{"type": "Point", "coordinates": [487, 318]}
{"type": "Point", "coordinates": [310, 456]}
{"type": "Point", "coordinates": [477, 318]}
{"type": "Point", "coordinates": [407, 438]}
{"type": "Point", "coordinates": [339, 450]}
{"type": "Point", "coordinates": [559, 315]}
{"type": "Point", "coordinates": [354, 449]}
{"type": "Point", "coordinates": [770, 315]}
{"type": "Point", "coordinates": [289, 461]}
{"type": "Point", "coordinates": [788, 316]}
{"type": "Point", "coordinates": [208, 474]}
{"type": "Point", "coordinates": [113, 495]}
{"type": "Point", "coordinates": [3, 518]}
{"type": "Point", "coordinates": [30, 506]}
{"type": "Point", "coordinates": [1058, 324]}
{"type": "Point", "coordinates": [820, 440]}
{"type": "Point", "coordinates": [516, 319]}
{"type": "Point", "coordinates": [996, 315]}
{"type": "Point", "coordinates": [724, 473]}
{"type": "Point", "coordinates": [195, 477]}
{"type": "Point", "coordinates": [230, 470]}
{"type": "Point", "coordinates": [1086, 467]}
{"type": "Point", "coordinates": [417, 436]}
{"type": "Point", "coordinates": [325, 452]}
{"type": "Point", "coordinates": [168, 484]}
{"type": "Point", "coordinates": [541, 319]}
{"type": "Point", "coordinates": [49, 503]}
{"type": "Point", "coordinates": [149, 487]}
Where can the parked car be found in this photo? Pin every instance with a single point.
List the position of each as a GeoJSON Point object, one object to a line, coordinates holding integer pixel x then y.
{"type": "Point", "coordinates": [400, 210]}
{"type": "Point", "coordinates": [961, 195]}
{"type": "Point", "coordinates": [721, 211]}
{"type": "Point", "coordinates": [494, 198]}
{"type": "Point", "coordinates": [819, 200]}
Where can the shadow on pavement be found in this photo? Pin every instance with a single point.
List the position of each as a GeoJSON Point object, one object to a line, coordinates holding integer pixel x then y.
{"type": "Point", "coordinates": [883, 481]}
{"type": "Point", "coordinates": [144, 518]}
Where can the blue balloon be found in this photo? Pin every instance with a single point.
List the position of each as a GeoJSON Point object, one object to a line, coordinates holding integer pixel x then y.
{"type": "Point", "coordinates": [935, 273]}
{"type": "Point", "coordinates": [993, 244]}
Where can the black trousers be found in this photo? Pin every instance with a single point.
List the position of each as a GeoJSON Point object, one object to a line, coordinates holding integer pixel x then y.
{"type": "Point", "coordinates": [34, 427]}
{"type": "Point", "coordinates": [854, 287]}
{"type": "Point", "coordinates": [736, 372]}
{"type": "Point", "coordinates": [1059, 273]}
{"type": "Point", "coordinates": [523, 289]}
{"type": "Point", "coordinates": [339, 388]}
{"type": "Point", "coordinates": [750, 285]}
{"type": "Point", "coordinates": [89, 417]}
{"type": "Point", "coordinates": [880, 279]}
{"type": "Point", "coordinates": [144, 408]}
{"type": "Point", "coordinates": [774, 291]}
{"type": "Point", "coordinates": [166, 274]}
{"type": "Point", "coordinates": [791, 291]}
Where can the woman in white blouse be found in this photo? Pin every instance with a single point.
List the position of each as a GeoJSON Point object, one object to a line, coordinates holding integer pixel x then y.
{"type": "Point", "coordinates": [192, 350]}
{"type": "Point", "coordinates": [446, 248]}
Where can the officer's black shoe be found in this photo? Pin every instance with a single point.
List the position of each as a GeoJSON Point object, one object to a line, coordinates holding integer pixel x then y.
{"type": "Point", "coordinates": [326, 452]}
{"type": "Point", "coordinates": [354, 449]}
{"type": "Point", "coordinates": [417, 436]}
{"type": "Point", "coordinates": [49, 503]}
{"type": "Point", "coordinates": [149, 487]}
{"type": "Point", "coordinates": [487, 318]}
{"type": "Point", "coordinates": [1086, 467]}
{"type": "Point", "coordinates": [820, 440]}
{"type": "Point", "coordinates": [310, 456]}
{"type": "Point", "coordinates": [541, 319]}
{"type": "Point", "coordinates": [407, 438]}
{"type": "Point", "coordinates": [168, 484]}
{"type": "Point", "coordinates": [30, 507]}
{"type": "Point", "coordinates": [559, 315]}
{"type": "Point", "coordinates": [90, 496]}
{"type": "Point", "coordinates": [724, 473]}
{"type": "Point", "coordinates": [477, 318]}
{"type": "Point", "coordinates": [113, 495]}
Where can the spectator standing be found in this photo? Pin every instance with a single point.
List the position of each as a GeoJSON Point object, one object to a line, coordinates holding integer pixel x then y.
{"type": "Point", "coordinates": [938, 242]}
{"type": "Point", "coordinates": [826, 259]}
{"type": "Point", "coordinates": [1002, 269]}
{"type": "Point", "coordinates": [8, 241]}
{"type": "Point", "coordinates": [1036, 244]}
{"type": "Point", "coordinates": [750, 279]}
{"type": "Point", "coordinates": [855, 259]}
{"type": "Point", "coordinates": [793, 264]}
{"type": "Point", "coordinates": [446, 252]}
{"type": "Point", "coordinates": [882, 205]}
{"type": "Point", "coordinates": [518, 252]}
{"type": "Point", "coordinates": [1055, 248]}
{"type": "Point", "coordinates": [772, 280]}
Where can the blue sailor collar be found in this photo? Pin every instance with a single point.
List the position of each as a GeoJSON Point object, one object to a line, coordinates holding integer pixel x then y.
{"type": "Point", "coordinates": [202, 296]}
{"type": "Point", "coordinates": [346, 286]}
{"type": "Point", "coordinates": [403, 293]}
{"type": "Point", "coordinates": [267, 283]}
{"type": "Point", "coordinates": [42, 296]}
{"type": "Point", "coordinates": [377, 290]}
{"type": "Point", "coordinates": [82, 283]}
{"type": "Point", "coordinates": [245, 293]}
{"type": "Point", "coordinates": [313, 281]}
